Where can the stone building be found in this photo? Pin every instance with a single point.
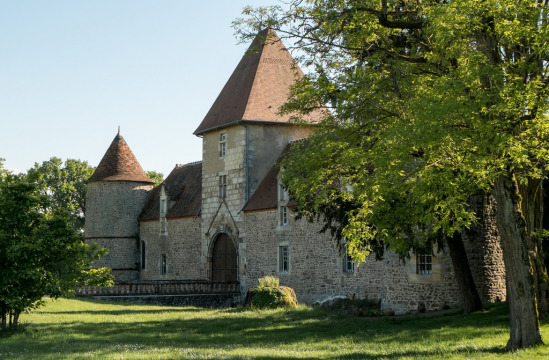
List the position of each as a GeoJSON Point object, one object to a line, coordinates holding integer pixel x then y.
{"type": "Point", "coordinates": [228, 220]}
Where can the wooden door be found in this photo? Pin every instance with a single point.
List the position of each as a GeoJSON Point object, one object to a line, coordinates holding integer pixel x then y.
{"type": "Point", "coordinates": [224, 262]}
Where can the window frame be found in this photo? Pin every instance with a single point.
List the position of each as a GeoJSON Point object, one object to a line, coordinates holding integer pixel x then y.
{"type": "Point", "coordinates": [222, 186]}
{"type": "Point", "coordinates": [283, 215]}
{"type": "Point", "coordinates": [283, 259]}
{"type": "Point", "coordinates": [283, 193]}
{"type": "Point", "coordinates": [348, 263]}
{"type": "Point", "coordinates": [163, 264]}
{"type": "Point", "coordinates": [222, 144]}
{"type": "Point", "coordinates": [424, 263]}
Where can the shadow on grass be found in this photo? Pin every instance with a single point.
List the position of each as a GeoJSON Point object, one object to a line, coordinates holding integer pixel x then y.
{"type": "Point", "coordinates": [134, 329]}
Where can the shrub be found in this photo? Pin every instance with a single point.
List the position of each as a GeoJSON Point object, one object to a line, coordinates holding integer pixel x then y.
{"type": "Point", "coordinates": [269, 295]}
{"type": "Point", "coordinates": [269, 281]}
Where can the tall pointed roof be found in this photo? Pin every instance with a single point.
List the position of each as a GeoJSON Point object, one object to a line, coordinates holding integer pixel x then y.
{"type": "Point", "coordinates": [119, 164]}
{"type": "Point", "coordinates": [257, 88]}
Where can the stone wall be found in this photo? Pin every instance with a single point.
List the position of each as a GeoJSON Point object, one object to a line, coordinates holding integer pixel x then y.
{"type": "Point", "coordinates": [112, 209]}
{"type": "Point", "coordinates": [121, 258]}
{"type": "Point", "coordinates": [181, 245]}
{"type": "Point", "coordinates": [316, 268]}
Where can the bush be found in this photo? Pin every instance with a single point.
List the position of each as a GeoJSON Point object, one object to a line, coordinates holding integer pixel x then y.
{"type": "Point", "coordinates": [269, 281]}
{"type": "Point", "coordinates": [268, 295]}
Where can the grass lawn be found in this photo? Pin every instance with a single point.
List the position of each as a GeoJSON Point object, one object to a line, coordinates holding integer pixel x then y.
{"type": "Point", "coordinates": [88, 329]}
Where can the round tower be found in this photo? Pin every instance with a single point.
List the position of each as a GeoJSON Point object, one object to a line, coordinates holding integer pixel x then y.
{"type": "Point", "coordinates": [116, 194]}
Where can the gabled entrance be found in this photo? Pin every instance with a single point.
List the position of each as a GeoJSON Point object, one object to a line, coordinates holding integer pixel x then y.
{"type": "Point", "coordinates": [224, 259]}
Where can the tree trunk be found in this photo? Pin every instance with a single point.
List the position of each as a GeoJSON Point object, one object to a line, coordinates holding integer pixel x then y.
{"type": "Point", "coordinates": [16, 314]}
{"type": "Point", "coordinates": [531, 195]}
{"type": "Point", "coordinates": [464, 277]}
{"type": "Point", "coordinates": [521, 295]}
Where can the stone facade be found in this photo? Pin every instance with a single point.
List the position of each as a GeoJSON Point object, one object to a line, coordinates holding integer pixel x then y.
{"type": "Point", "coordinates": [316, 268]}
{"type": "Point", "coordinates": [112, 211]}
{"type": "Point", "coordinates": [227, 220]}
{"type": "Point", "coordinates": [180, 245]}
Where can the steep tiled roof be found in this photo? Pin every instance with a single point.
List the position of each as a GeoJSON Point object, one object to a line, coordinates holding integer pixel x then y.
{"type": "Point", "coordinates": [257, 88]}
{"type": "Point", "coordinates": [265, 197]}
{"type": "Point", "coordinates": [184, 189]}
{"type": "Point", "coordinates": [119, 164]}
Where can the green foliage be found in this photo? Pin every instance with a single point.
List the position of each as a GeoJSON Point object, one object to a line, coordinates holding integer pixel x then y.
{"type": "Point", "coordinates": [431, 102]}
{"type": "Point", "coordinates": [157, 177]}
{"type": "Point", "coordinates": [266, 297]}
{"type": "Point", "coordinates": [2, 170]}
{"type": "Point", "coordinates": [269, 281]}
{"type": "Point", "coordinates": [269, 295]}
{"type": "Point", "coordinates": [41, 252]}
{"type": "Point", "coordinates": [64, 183]}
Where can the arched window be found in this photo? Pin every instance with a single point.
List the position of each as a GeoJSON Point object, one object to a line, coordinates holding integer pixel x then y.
{"type": "Point", "coordinates": [143, 254]}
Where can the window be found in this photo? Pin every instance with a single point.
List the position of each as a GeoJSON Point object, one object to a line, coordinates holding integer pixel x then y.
{"type": "Point", "coordinates": [222, 144]}
{"type": "Point", "coordinates": [283, 215]}
{"type": "Point", "coordinates": [283, 259]}
{"type": "Point", "coordinates": [283, 193]}
{"type": "Point", "coordinates": [163, 264]}
{"type": "Point", "coordinates": [143, 254]}
{"type": "Point", "coordinates": [424, 264]}
{"type": "Point", "coordinates": [348, 264]}
{"type": "Point", "coordinates": [222, 186]}
{"type": "Point", "coordinates": [163, 211]}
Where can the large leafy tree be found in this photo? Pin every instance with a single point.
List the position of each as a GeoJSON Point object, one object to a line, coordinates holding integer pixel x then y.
{"type": "Point", "coordinates": [41, 253]}
{"type": "Point", "coordinates": [432, 102]}
{"type": "Point", "coordinates": [64, 183]}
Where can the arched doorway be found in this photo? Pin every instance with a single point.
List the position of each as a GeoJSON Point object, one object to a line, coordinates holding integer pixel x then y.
{"type": "Point", "coordinates": [224, 260]}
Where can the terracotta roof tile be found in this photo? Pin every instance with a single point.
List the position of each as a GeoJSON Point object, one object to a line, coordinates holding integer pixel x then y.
{"type": "Point", "coordinates": [184, 189]}
{"type": "Point", "coordinates": [119, 164]}
{"type": "Point", "coordinates": [258, 86]}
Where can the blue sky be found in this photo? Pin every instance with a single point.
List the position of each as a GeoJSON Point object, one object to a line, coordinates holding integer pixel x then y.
{"type": "Point", "coordinates": [72, 71]}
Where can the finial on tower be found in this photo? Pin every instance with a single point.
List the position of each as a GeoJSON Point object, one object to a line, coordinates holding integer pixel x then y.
{"type": "Point", "coordinates": [118, 129]}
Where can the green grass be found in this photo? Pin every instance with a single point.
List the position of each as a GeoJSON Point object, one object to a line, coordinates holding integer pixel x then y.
{"type": "Point", "coordinates": [87, 329]}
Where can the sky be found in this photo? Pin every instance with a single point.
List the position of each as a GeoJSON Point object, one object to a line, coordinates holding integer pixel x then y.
{"type": "Point", "coordinates": [72, 72]}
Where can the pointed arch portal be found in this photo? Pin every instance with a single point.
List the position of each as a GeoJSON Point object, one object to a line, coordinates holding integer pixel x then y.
{"type": "Point", "coordinates": [224, 259]}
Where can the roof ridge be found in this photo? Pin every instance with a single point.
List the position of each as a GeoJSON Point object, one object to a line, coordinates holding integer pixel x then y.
{"type": "Point", "coordinates": [188, 164]}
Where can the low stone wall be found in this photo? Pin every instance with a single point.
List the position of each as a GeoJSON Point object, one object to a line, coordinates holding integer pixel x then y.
{"type": "Point", "coordinates": [197, 300]}
{"type": "Point", "coordinates": [161, 288]}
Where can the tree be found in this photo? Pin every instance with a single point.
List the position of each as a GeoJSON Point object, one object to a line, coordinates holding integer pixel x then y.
{"type": "Point", "coordinates": [2, 170]}
{"type": "Point", "coordinates": [64, 183]}
{"type": "Point", "coordinates": [431, 102]}
{"type": "Point", "coordinates": [155, 176]}
{"type": "Point", "coordinates": [41, 253]}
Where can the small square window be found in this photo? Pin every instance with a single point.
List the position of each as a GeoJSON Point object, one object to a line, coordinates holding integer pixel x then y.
{"type": "Point", "coordinates": [424, 264]}
{"type": "Point", "coordinates": [222, 186]}
{"type": "Point", "coordinates": [283, 215]}
{"type": "Point", "coordinates": [283, 259]}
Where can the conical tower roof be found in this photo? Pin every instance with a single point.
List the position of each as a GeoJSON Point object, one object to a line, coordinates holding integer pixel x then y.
{"type": "Point", "coordinates": [119, 164]}
{"type": "Point", "coordinates": [257, 88]}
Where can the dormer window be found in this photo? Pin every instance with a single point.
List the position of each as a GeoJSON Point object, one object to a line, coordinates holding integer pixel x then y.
{"type": "Point", "coordinates": [163, 211]}
{"type": "Point", "coordinates": [283, 216]}
{"type": "Point", "coordinates": [283, 193]}
{"type": "Point", "coordinates": [222, 144]}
